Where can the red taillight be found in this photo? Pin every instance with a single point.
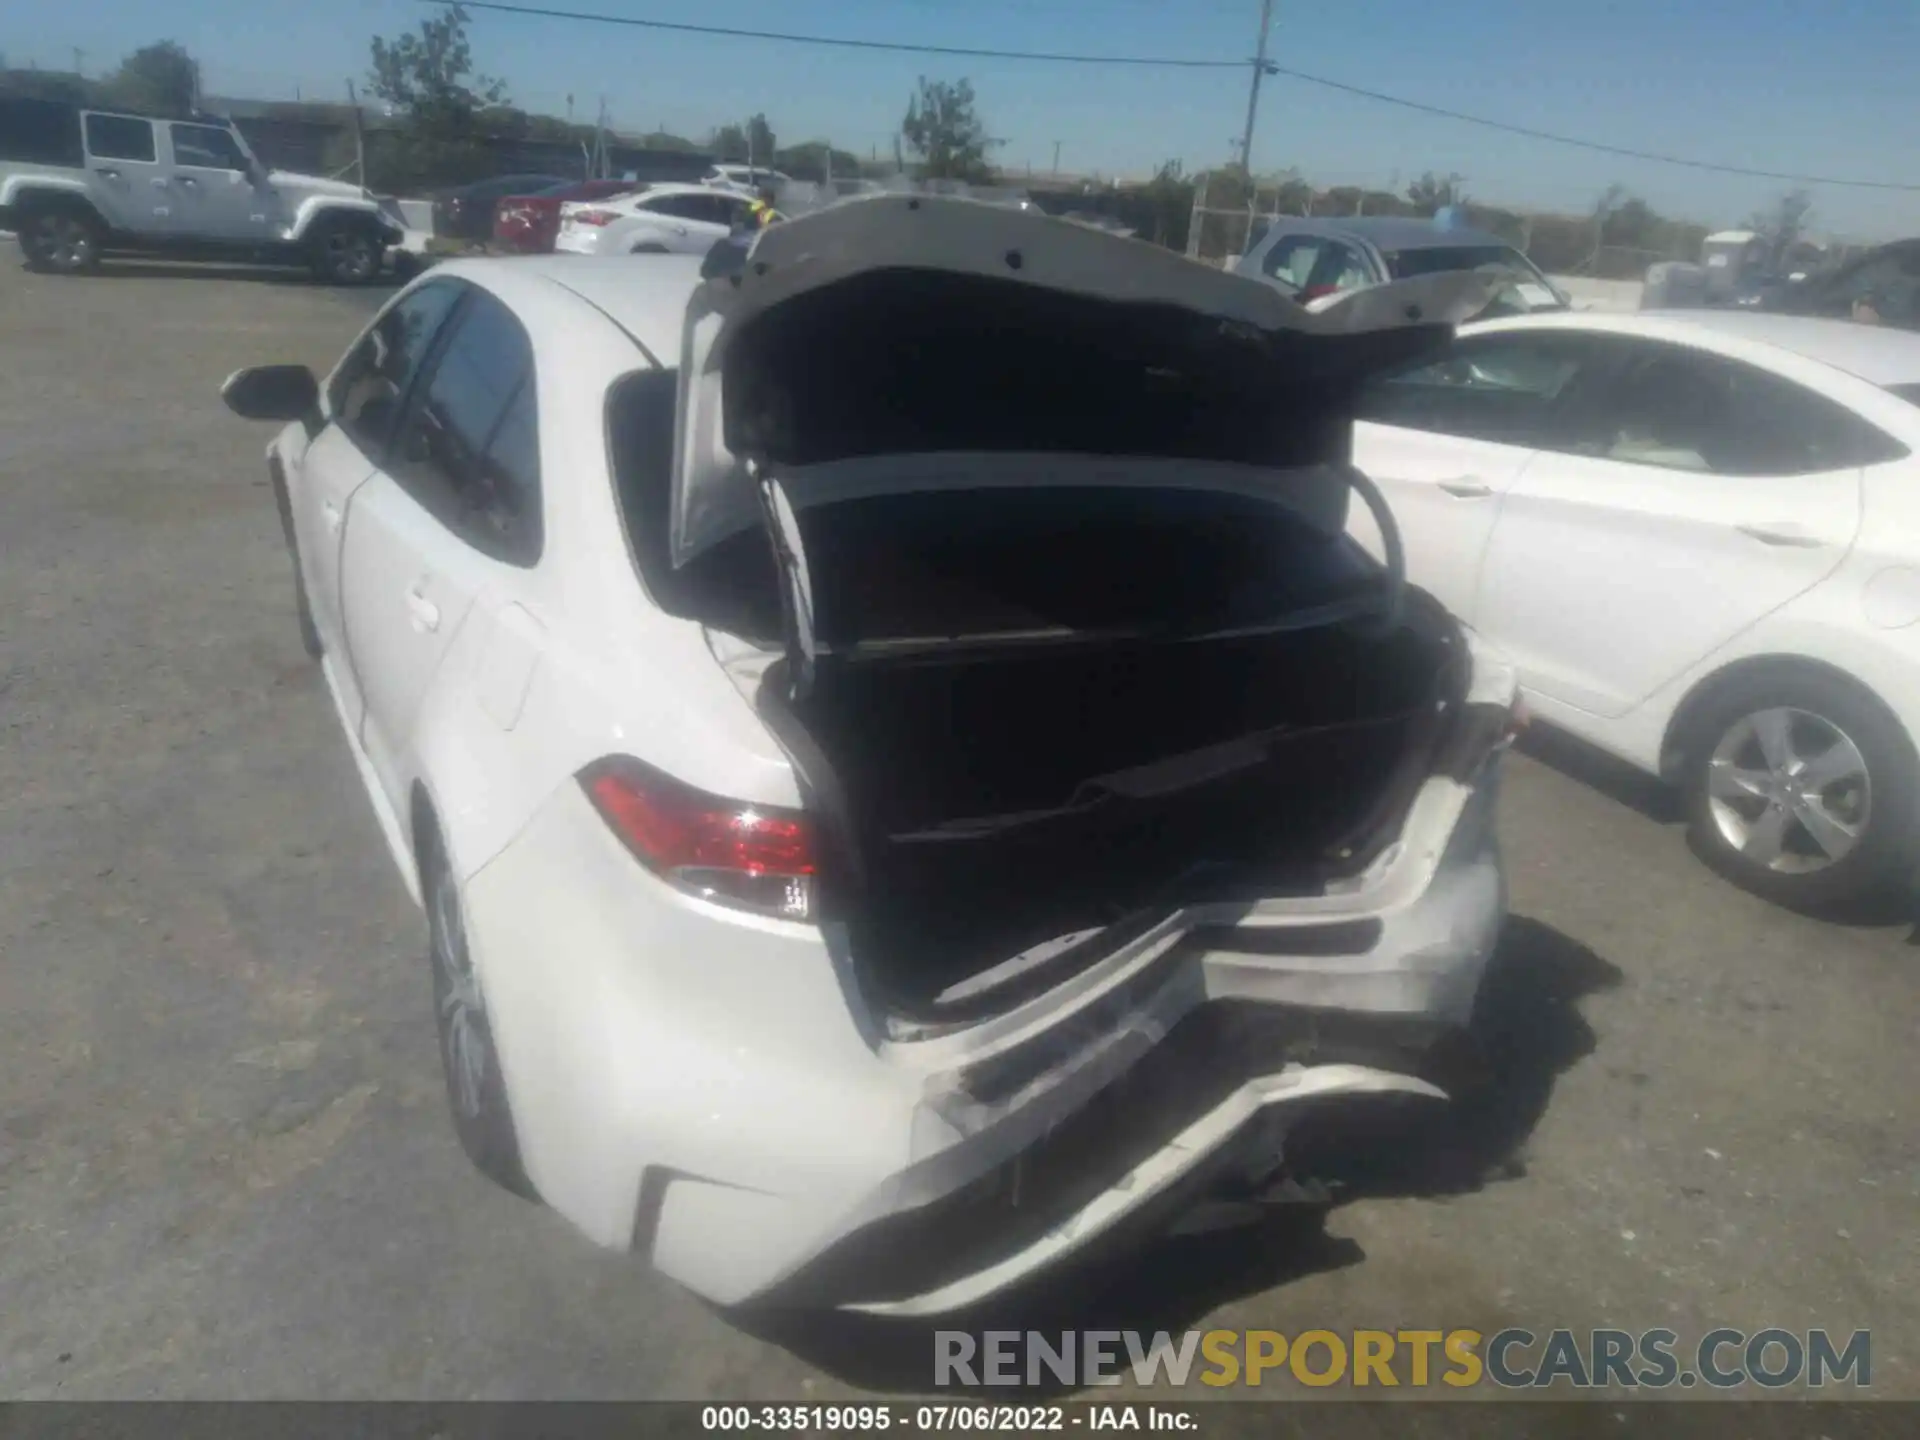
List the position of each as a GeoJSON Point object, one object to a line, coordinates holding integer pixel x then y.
{"type": "Point", "coordinates": [593, 217]}
{"type": "Point", "coordinates": [751, 857]}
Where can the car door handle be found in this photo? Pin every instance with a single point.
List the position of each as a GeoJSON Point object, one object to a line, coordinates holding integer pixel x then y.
{"type": "Point", "coordinates": [108, 171]}
{"type": "Point", "coordinates": [426, 614]}
{"type": "Point", "coordinates": [159, 182]}
{"type": "Point", "coordinates": [1782, 534]}
{"type": "Point", "coordinates": [186, 180]}
{"type": "Point", "coordinates": [1466, 488]}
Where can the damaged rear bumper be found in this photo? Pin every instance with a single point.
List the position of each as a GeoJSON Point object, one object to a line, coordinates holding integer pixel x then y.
{"type": "Point", "coordinates": [709, 1094]}
{"type": "Point", "coordinates": [1189, 1071]}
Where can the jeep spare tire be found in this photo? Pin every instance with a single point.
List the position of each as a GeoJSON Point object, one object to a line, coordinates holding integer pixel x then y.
{"type": "Point", "coordinates": [345, 250]}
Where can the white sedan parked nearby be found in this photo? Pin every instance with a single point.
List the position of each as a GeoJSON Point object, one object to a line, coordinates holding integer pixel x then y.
{"type": "Point", "coordinates": [659, 220]}
{"type": "Point", "coordinates": [1698, 538]}
{"type": "Point", "coordinates": [884, 823]}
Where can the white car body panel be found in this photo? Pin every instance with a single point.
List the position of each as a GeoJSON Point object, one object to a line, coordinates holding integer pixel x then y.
{"type": "Point", "coordinates": [709, 1086]}
{"type": "Point", "coordinates": [638, 224]}
{"type": "Point", "coordinates": [1617, 589]}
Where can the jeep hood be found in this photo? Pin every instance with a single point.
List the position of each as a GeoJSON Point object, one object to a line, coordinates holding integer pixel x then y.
{"type": "Point", "coordinates": [315, 185]}
{"type": "Point", "coordinates": [900, 342]}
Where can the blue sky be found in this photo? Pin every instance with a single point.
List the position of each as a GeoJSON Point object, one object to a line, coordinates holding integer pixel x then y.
{"type": "Point", "coordinates": [1822, 87]}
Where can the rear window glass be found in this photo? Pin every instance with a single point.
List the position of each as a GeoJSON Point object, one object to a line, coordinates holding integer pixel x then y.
{"type": "Point", "coordinates": [1444, 259]}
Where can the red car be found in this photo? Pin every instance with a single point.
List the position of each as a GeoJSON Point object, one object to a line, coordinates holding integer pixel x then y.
{"type": "Point", "coordinates": [526, 224]}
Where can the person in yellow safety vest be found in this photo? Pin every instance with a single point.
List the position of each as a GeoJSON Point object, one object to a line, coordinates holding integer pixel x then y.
{"type": "Point", "coordinates": [762, 210]}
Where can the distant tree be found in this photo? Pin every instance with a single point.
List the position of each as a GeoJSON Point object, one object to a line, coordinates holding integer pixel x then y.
{"type": "Point", "coordinates": [729, 144]}
{"type": "Point", "coordinates": [1169, 197]}
{"type": "Point", "coordinates": [760, 141]}
{"type": "Point", "coordinates": [428, 79]}
{"type": "Point", "coordinates": [944, 133]}
{"type": "Point", "coordinates": [429, 76]}
{"type": "Point", "coordinates": [1431, 193]}
{"type": "Point", "coordinates": [162, 79]}
{"type": "Point", "coordinates": [816, 161]}
{"type": "Point", "coordinates": [1782, 224]}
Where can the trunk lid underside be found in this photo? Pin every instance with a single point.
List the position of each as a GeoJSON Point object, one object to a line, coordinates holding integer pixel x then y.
{"type": "Point", "coordinates": [1072, 632]}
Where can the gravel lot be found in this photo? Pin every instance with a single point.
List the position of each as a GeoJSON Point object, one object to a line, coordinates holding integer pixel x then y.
{"type": "Point", "coordinates": [225, 1167]}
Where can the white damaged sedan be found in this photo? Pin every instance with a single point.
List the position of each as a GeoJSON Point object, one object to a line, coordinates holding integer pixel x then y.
{"type": "Point", "coordinates": [903, 767]}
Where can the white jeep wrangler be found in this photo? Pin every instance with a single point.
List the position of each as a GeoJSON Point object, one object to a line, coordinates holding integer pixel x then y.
{"type": "Point", "coordinates": [77, 183]}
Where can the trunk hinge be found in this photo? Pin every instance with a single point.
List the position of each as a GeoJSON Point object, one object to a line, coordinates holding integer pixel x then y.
{"type": "Point", "coordinates": [796, 585]}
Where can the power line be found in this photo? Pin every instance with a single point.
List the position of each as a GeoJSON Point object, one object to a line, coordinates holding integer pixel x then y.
{"type": "Point", "coordinates": [1172, 63]}
{"type": "Point", "coordinates": [848, 43]}
{"type": "Point", "coordinates": [1580, 144]}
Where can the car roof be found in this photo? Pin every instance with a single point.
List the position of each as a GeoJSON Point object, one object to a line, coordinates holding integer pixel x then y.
{"type": "Point", "coordinates": [646, 296]}
{"type": "Point", "coordinates": [1387, 232]}
{"type": "Point", "coordinates": [1878, 354]}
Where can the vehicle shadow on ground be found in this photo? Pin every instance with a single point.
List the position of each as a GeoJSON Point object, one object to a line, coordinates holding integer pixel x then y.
{"type": "Point", "coordinates": [111, 269]}
{"type": "Point", "coordinates": [1611, 776]}
{"type": "Point", "coordinates": [1532, 1030]}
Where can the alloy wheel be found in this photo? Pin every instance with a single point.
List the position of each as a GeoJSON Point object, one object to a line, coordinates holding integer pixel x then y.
{"type": "Point", "coordinates": [1788, 790]}
{"type": "Point", "coordinates": [65, 241]}
{"type": "Point", "coordinates": [463, 1026]}
{"type": "Point", "coordinates": [350, 256]}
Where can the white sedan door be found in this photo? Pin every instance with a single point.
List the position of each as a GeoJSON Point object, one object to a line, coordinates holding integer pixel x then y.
{"type": "Point", "coordinates": [1695, 495]}
{"type": "Point", "coordinates": [362, 403]}
{"type": "Point", "coordinates": [689, 224]}
{"type": "Point", "coordinates": [442, 527]}
{"type": "Point", "coordinates": [1446, 441]}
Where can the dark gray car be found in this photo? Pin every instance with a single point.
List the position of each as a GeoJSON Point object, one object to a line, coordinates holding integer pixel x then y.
{"type": "Point", "coordinates": [1310, 258]}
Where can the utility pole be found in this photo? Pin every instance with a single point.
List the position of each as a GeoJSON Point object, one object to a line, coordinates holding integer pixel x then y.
{"type": "Point", "coordinates": [359, 138]}
{"type": "Point", "coordinates": [1056, 157]}
{"type": "Point", "coordinates": [79, 62]}
{"type": "Point", "coordinates": [1260, 72]}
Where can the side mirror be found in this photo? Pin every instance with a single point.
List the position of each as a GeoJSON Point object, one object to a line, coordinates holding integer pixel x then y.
{"type": "Point", "coordinates": [272, 392]}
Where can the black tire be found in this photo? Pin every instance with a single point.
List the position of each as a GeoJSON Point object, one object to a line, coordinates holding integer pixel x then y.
{"type": "Point", "coordinates": [1841, 843]}
{"type": "Point", "coordinates": [476, 1090]}
{"type": "Point", "coordinates": [61, 239]}
{"type": "Point", "coordinates": [345, 250]}
{"type": "Point", "coordinates": [302, 607]}
{"type": "Point", "coordinates": [303, 613]}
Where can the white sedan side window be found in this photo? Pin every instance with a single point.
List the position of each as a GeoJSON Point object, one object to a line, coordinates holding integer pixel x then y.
{"type": "Point", "coordinates": [1687, 410]}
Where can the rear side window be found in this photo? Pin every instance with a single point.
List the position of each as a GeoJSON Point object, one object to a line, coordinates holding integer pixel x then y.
{"type": "Point", "coordinates": [735, 585]}
{"type": "Point", "coordinates": [39, 132]}
{"type": "Point", "coordinates": [367, 389]}
{"type": "Point", "coordinates": [1508, 389]}
{"type": "Point", "coordinates": [1681, 409]}
{"type": "Point", "coordinates": [469, 447]}
{"type": "Point", "coordinates": [119, 137]}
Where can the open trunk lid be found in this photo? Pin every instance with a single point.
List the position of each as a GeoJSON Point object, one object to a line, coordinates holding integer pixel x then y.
{"type": "Point", "coordinates": [904, 343]}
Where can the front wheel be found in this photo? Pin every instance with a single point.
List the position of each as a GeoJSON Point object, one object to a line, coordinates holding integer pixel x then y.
{"type": "Point", "coordinates": [60, 240]}
{"type": "Point", "coordinates": [345, 252]}
{"type": "Point", "coordinates": [1804, 790]}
